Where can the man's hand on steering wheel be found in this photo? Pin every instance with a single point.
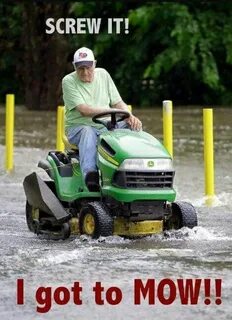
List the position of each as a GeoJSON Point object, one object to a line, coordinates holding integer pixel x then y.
{"type": "Point", "coordinates": [117, 115]}
{"type": "Point", "coordinates": [134, 123]}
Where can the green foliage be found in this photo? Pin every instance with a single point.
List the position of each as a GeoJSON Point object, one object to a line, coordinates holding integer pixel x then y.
{"type": "Point", "coordinates": [10, 58]}
{"type": "Point", "coordinates": [195, 38]}
{"type": "Point", "coordinates": [174, 50]}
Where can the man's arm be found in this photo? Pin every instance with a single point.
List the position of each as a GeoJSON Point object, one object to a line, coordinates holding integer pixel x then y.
{"type": "Point", "coordinates": [121, 105]}
{"type": "Point", "coordinates": [88, 111]}
{"type": "Point", "coordinates": [133, 121]}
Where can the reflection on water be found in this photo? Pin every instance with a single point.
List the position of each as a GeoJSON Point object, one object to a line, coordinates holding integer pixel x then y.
{"type": "Point", "coordinates": [38, 129]}
{"type": "Point", "coordinates": [204, 252]}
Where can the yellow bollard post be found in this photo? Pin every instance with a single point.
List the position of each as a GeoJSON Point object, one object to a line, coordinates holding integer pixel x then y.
{"type": "Point", "coordinates": [60, 128]}
{"type": "Point", "coordinates": [208, 153]}
{"type": "Point", "coordinates": [9, 157]}
{"type": "Point", "coordinates": [167, 126]}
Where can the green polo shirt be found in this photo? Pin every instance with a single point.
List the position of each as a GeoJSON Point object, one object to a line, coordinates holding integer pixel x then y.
{"type": "Point", "coordinates": [101, 92]}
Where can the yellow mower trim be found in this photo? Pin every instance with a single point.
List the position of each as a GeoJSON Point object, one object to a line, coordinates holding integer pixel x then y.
{"type": "Point", "coordinates": [105, 155]}
{"type": "Point", "coordinates": [123, 227]}
{"type": "Point", "coordinates": [129, 228]}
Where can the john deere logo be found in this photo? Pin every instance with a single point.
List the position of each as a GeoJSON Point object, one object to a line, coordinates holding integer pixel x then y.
{"type": "Point", "coordinates": [150, 164]}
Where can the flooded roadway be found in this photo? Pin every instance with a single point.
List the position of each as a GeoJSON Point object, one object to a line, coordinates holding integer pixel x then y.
{"type": "Point", "coordinates": [202, 253]}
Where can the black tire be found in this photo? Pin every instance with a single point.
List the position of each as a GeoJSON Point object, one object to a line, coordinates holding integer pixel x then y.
{"type": "Point", "coordinates": [183, 215]}
{"type": "Point", "coordinates": [32, 226]}
{"type": "Point", "coordinates": [101, 220]}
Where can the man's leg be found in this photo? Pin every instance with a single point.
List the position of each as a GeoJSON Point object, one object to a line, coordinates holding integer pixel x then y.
{"type": "Point", "coordinates": [85, 137]}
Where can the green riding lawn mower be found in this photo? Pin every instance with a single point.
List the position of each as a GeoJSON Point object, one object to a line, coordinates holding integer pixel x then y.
{"type": "Point", "coordinates": [136, 195]}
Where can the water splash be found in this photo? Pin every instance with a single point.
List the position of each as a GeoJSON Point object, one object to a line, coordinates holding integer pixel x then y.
{"type": "Point", "coordinates": [197, 233]}
{"type": "Point", "coordinates": [54, 258]}
{"type": "Point", "coordinates": [221, 200]}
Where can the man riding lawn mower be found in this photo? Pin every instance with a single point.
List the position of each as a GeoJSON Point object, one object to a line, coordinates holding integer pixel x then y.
{"type": "Point", "coordinates": [116, 179]}
{"type": "Point", "coordinates": [136, 189]}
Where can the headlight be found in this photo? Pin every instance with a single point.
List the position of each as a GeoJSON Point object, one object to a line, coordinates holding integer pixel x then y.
{"type": "Point", "coordinates": [147, 164]}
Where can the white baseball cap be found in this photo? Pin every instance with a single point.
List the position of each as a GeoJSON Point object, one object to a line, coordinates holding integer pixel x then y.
{"type": "Point", "coordinates": [83, 57]}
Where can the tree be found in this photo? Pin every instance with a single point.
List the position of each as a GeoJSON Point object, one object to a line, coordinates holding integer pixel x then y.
{"type": "Point", "coordinates": [10, 48]}
{"type": "Point", "coordinates": [174, 50]}
{"type": "Point", "coordinates": [190, 49]}
{"type": "Point", "coordinates": [44, 55]}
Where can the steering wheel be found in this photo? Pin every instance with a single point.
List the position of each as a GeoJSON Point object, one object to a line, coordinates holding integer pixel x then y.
{"type": "Point", "coordinates": [116, 116]}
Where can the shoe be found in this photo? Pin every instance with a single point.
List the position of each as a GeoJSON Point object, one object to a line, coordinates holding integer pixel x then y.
{"type": "Point", "coordinates": [92, 181]}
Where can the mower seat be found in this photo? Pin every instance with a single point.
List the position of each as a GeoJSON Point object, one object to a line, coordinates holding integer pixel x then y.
{"type": "Point", "coordinates": [67, 144]}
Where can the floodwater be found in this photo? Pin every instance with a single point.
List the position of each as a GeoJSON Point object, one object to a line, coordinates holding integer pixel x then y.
{"type": "Point", "coordinates": [202, 253]}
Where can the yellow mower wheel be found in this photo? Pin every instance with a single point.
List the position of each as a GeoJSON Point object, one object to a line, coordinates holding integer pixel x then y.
{"type": "Point", "coordinates": [88, 224]}
{"type": "Point", "coordinates": [95, 220]}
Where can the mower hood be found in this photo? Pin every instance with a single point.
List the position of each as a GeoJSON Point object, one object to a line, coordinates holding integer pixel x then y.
{"type": "Point", "coordinates": [124, 144]}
